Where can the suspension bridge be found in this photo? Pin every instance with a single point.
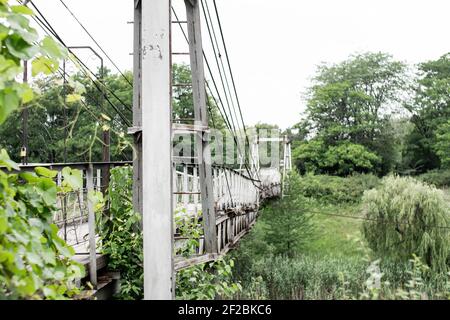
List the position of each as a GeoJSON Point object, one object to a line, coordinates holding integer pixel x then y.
{"type": "Point", "coordinates": [228, 197]}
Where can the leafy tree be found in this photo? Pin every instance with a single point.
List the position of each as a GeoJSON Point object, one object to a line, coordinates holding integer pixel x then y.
{"type": "Point", "coordinates": [183, 104]}
{"type": "Point", "coordinates": [308, 156]}
{"type": "Point", "coordinates": [342, 159]}
{"type": "Point", "coordinates": [347, 158]}
{"type": "Point", "coordinates": [351, 101]}
{"type": "Point", "coordinates": [302, 130]}
{"type": "Point", "coordinates": [84, 118]}
{"type": "Point", "coordinates": [442, 144]}
{"type": "Point", "coordinates": [40, 141]}
{"type": "Point", "coordinates": [430, 108]}
{"type": "Point", "coordinates": [51, 119]}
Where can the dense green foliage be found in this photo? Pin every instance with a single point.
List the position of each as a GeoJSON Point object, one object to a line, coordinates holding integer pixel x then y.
{"type": "Point", "coordinates": [19, 41]}
{"type": "Point", "coordinates": [84, 115]}
{"type": "Point", "coordinates": [430, 111]}
{"type": "Point", "coordinates": [326, 277]}
{"type": "Point", "coordinates": [286, 223]}
{"type": "Point", "coordinates": [408, 217]}
{"type": "Point", "coordinates": [52, 118]}
{"type": "Point", "coordinates": [284, 226]}
{"type": "Point", "coordinates": [438, 178]}
{"type": "Point", "coordinates": [371, 114]}
{"type": "Point", "coordinates": [121, 238]}
{"type": "Point", "coordinates": [442, 145]}
{"type": "Point", "coordinates": [207, 281]}
{"type": "Point", "coordinates": [344, 159]}
{"type": "Point", "coordinates": [35, 263]}
{"type": "Point", "coordinates": [336, 190]}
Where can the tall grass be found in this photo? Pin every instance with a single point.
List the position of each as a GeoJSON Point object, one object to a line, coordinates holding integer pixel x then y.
{"type": "Point", "coordinates": [326, 277]}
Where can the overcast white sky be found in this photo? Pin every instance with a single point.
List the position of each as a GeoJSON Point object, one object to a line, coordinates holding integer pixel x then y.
{"type": "Point", "coordinates": [274, 46]}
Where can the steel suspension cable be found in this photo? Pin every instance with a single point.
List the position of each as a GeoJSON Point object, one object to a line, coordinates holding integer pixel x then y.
{"type": "Point", "coordinates": [96, 42]}
{"type": "Point", "coordinates": [231, 72]}
{"type": "Point", "coordinates": [51, 31]}
{"type": "Point", "coordinates": [49, 27]}
{"type": "Point", "coordinates": [213, 80]}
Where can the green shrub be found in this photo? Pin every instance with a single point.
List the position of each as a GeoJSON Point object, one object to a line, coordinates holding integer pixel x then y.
{"type": "Point", "coordinates": [207, 281]}
{"type": "Point", "coordinates": [336, 190]}
{"type": "Point", "coordinates": [345, 158]}
{"type": "Point", "coordinates": [438, 178]}
{"type": "Point", "coordinates": [203, 281]}
{"type": "Point", "coordinates": [287, 221]}
{"type": "Point", "coordinates": [120, 235]}
{"type": "Point", "coordinates": [442, 144]}
{"type": "Point", "coordinates": [408, 217]}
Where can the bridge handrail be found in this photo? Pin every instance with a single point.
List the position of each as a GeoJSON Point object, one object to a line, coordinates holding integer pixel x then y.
{"type": "Point", "coordinates": [236, 195]}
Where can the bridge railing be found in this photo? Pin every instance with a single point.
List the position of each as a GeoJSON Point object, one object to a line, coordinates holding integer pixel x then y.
{"type": "Point", "coordinates": [232, 190]}
{"type": "Point", "coordinates": [236, 198]}
{"type": "Point", "coordinates": [75, 216]}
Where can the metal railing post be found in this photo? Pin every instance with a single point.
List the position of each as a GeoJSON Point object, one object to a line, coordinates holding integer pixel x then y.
{"type": "Point", "coordinates": [91, 227]}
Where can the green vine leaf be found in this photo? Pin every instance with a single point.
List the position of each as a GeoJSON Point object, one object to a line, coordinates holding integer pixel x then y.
{"type": "Point", "coordinates": [35, 263]}
{"type": "Point", "coordinates": [72, 98]}
{"type": "Point", "coordinates": [5, 161]}
{"type": "Point", "coordinates": [22, 9]}
{"type": "Point", "coordinates": [44, 65]}
{"type": "Point", "coordinates": [9, 102]}
{"type": "Point", "coordinates": [52, 49]}
{"type": "Point", "coordinates": [44, 172]}
{"type": "Point", "coordinates": [73, 178]}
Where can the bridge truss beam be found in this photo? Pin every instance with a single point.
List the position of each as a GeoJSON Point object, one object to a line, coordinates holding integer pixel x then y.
{"type": "Point", "coordinates": [152, 130]}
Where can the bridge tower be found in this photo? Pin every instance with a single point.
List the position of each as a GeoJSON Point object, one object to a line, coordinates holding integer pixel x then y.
{"type": "Point", "coordinates": [254, 157]}
{"type": "Point", "coordinates": [152, 114]}
{"type": "Point", "coordinates": [287, 162]}
{"type": "Point", "coordinates": [152, 130]}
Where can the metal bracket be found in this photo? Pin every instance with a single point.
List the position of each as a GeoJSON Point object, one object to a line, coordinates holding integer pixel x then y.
{"type": "Point", "coordinates": [189, 128]}
{"type": "Point", "coordinates": [134, 130]}
{"type": "Point", "coordinates": [192, 2]}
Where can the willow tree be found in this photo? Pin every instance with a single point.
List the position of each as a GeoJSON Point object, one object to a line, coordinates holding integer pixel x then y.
{"type": "Point", "coordinates": [406, 217]}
